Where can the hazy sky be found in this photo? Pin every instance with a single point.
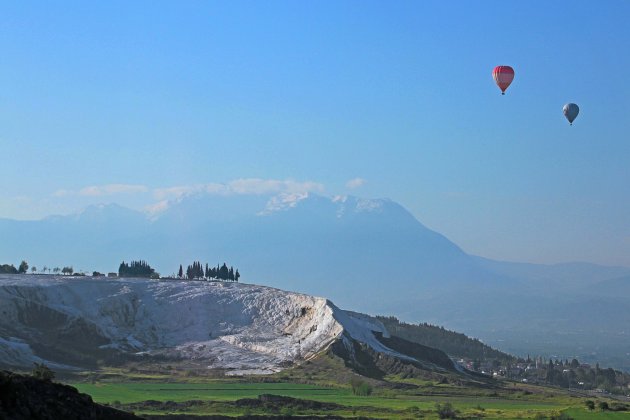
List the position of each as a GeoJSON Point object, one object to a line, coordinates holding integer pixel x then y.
{"type": "Point", "coordinates": [122, 101]}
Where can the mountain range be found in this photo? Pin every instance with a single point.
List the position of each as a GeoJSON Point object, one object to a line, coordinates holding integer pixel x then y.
{"type": "Point", "coordinates": [369, 255]}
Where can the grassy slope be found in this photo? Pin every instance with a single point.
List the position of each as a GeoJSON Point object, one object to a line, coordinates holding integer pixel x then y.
{"type": "Point", "coordinates": [450, 342]}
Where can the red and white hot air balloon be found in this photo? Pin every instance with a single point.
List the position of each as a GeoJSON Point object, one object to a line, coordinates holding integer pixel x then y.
{"type": "Point", "coordinates": [503, 76]}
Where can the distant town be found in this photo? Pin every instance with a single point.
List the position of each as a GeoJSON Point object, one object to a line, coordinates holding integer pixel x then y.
{"type": "Point", "coordinates": [475, 356]}
{"type": "Point", "coordinates": [572, 374]}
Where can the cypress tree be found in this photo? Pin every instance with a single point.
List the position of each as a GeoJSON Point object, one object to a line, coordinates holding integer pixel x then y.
{"type": "Point", "coordinates": [135, 269]}
{"type": "Point", "coordinates": [223, 272]}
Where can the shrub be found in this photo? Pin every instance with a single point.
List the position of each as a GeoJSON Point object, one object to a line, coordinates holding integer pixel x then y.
{"type": "Point", "coordinates": [446, 411]}
{"type": "Point", "coordinates": [618, 407]}
{"type": "Point", "coordinates": [43, 372]}
{"type": "Point", "coordinates": [360, 387]}
{"type": "Point", "coordinates": [287, 411]}
{"type": "Point", "coordinates": [561, 416]}
{"type": "Point", "coordinates": [364, 389]}
{"type": "Point", "coordinates": [590, 404]}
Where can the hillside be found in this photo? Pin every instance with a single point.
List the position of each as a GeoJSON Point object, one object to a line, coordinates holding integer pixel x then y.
{"type": "Point", "coordinates": [454, 344]}
{"type": "Point", "coordinates": [77, 323]}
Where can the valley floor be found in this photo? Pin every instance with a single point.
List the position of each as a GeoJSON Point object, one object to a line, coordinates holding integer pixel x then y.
{"type": "Point", "coordinates": [396, 398]}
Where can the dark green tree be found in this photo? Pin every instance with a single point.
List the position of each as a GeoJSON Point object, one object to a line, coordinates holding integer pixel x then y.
{"type": "Point", "coordinates": [224, 272]}
{"type": "Point", "coordinates": [8, 269]}
{"type": "Point", "coordinates": [23, 268]}
{"type": "Point", "coordinates": [195, 271]}
{"type": "Point", "coordinates": [135, 269]}
{"type": "Point", "coordinates": [43, 372]}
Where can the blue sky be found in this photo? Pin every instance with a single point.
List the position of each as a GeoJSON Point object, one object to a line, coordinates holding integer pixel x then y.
{"type": "Point", "coordinates": [118, 101]}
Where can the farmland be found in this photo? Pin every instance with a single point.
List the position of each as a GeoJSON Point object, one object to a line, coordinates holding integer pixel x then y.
{"type": "Point", "coordinates": [241, 397]}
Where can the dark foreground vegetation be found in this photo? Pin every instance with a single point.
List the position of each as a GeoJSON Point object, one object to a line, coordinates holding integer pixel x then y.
{"type": "Point", "coordinates": [27, 397]}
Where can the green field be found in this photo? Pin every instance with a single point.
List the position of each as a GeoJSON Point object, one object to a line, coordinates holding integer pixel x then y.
{"type": "Point", "coordinates": [218, 396]}
{"type": "Point", "coordinates": [214, 391]}
{"type": "Point", "coordinates": [581, 414]}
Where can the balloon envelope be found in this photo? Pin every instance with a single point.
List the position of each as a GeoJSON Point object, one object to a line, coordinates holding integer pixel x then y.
{"type": "Point", "coordinates": [571, 111]}
{"type": "Point", "coordinates": [503, 76]}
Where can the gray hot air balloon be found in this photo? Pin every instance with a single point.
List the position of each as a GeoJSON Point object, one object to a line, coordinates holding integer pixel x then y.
{"type": "Point", "coordinates": [570, 111]}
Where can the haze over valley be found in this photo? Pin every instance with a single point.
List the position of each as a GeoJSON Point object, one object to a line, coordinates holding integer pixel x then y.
{"type": "Point", "coordinates": [368, 255]}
